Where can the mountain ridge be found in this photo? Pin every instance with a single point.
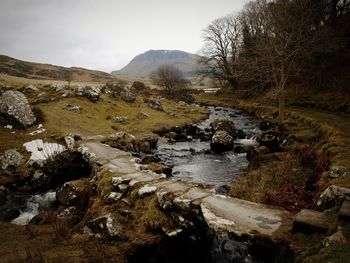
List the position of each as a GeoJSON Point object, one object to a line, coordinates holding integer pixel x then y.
{"type": "Point", "coordinates": [145, 63]}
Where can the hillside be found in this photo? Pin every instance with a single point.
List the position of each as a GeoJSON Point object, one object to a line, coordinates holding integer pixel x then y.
{"type": "Point", "coordinates": [142, 65]}
{"type": "Point", "coordinates": [19, 68]}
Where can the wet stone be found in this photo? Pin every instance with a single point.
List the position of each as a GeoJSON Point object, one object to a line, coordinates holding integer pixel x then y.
{"type": "Point", "coordinates": [312, 221]}
{"type": "Point", "coordinates": [344, 212]}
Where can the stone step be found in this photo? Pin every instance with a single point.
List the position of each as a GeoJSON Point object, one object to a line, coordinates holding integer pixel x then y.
{"type": "Point", "coordinates": [344, 212]}
{"type": "Point", "coordinates": [312, 221]}
{"type": "Point", "coordinates": [225, 214]}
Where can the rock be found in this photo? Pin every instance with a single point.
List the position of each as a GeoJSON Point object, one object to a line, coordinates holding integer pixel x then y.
{"type": "Point", "coordinates": [3, 195]}
{"type": "Point", "coordinates": [344, 212]}
{"type": "Point", "coordinates": [15, 105]}
{"type": "Point", "coordinates": [119, 119]}
{"type": "Point", "coordinates": [265, 125]}
{"type": "Point", "coordinates": [113, 197]}
{"type": "Point", "coordinates": [155, 104]}
{"type": "Point", "coordinates": [160, 168]}
{"type": "Point", "coordinates": [70, 142]}
{"type": "Point", "coordinates": [9, 213]}
{"type": "Point", "coordinates": [30, 88]}
{"type": "Point", "coordinates": [58, 86]}
{"type": "Point", "coordinates": [146, 190]}
{"type": "Point", "coordinates": [127, 96]}
{"type": "Point", "coordinates": [73, 108]}
{"type": "Point", "coordinates": [337, 239]}
{"type": "Point", "coordinates": [39, 179]}
{"type": "Point", "coordinates": [68, 194]}
{"type": "Point", "coordinates": [138, 86]}
{"type": "Point", "coordinates": [106, 225]}
{"type": "Point", "coordinates": [142, 115]}
{"type": "Point", "coordinates": [117, 180]}
{"type": "Point", "coordinates": [182, 103]}
{"type": "Point", "coordinates": [332, 196]}
{"type": "Point", "coordinates": [93, 94]}
{"type": "Point", "coordinates": [338, 171]}
{"type": "Point", "coordinates": [123, 188]}
{"type": "Point", "coordinates": [43, 97]}
{"type": "Point", "coordinates": [3, 88]}
{"type": "Point", "coordinates": [10, 160]}
{"type": "Point", "coordinates": [312, 221]}
{"type": "Point", "coordinates": [80, 91]}
{"type": "Point", "coordinates": [221, 142]}
{"type": "Point", "coordinates": [270, 140]}
{"type": "Point", "coordinates": [223, 125]}
{"type": "Point", "coordinates": [149, 159]}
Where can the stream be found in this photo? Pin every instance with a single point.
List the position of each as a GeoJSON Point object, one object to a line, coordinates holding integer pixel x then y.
{"type": "Point", "coordinates": [193, 161]}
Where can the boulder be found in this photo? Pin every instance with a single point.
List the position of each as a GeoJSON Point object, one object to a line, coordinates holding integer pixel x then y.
{"type": "Point", "coordinates": [312, 221]}
{"type": "Point", "coordinates": [160, 168]}
{"type": "Point", "coordinates": [155, 104]}
{"type": "Point", "coordinates": [80, 91]}
{"type": "Point", "coordinates": [128, 96]}
{"type": "Point", "coordinates": [222, 141]}
{"type": "Point", "coordinates": [146, 190]}
{"type": "Point", "coordinates": [93, 94]}
{"type": "Point", "coordinates": [69, 194]}
{"type": "Point", "coordinates": [106, 225]}
{"type": "Point", "coordinates": [223, 125]}
{"type": "Point", "coordinates": [15, 105]}
{"type": "Point", "coordinates": [138, 86]}
{"type": "Point", "coordinates": [58, 86]}
{"type": "Point", "coordinates": [43, 97]}
{"type": "Point", "coordinates": [270, 140]}
{"type": "Point", "coordinates": [30, 89]}
{"type": "Point", "coordinates": [332, 196]}
{"type": "Point", "coordinates": [10, 160]}
{"type": "Point", "coordinates": [337, 239]}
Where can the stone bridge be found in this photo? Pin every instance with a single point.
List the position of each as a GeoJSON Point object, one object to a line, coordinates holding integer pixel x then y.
{"type": "Point", "coordinates": [223, 214]}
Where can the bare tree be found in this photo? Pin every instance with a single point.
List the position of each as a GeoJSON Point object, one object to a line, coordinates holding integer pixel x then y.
{"type": "Point", "coordinates": [68, 75]}
{"type": "Point", "coordinates": [168, 77]}
{"type": "Point", "coordinates": [220, 54]}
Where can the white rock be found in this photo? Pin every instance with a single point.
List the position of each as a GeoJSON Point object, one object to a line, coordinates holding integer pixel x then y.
{"type": "Point", "coordinates": [146, 189]}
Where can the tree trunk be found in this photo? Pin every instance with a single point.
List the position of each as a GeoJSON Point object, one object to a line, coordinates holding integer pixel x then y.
{"type": "Point", "coordinates": [280, 107]}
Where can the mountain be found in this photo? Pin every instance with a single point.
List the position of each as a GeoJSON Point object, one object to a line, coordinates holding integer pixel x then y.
{"type": "Point", "coordinates": [32, 70]}
{"type": "Point", "coordinates": [144, 64]}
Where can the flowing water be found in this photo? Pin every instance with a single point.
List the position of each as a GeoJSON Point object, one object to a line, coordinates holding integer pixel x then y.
{"type": "Point", "coordinates": [193, 162]}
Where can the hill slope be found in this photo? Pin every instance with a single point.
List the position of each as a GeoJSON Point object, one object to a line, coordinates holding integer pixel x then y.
{"type": "Point", "coordinates": [19, 68]}
{"type": "Point", "coordinates": [143, 64]}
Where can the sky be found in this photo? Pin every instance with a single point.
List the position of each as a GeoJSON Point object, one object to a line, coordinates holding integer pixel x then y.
{"type": "Point", "coordinates": [104, 34]}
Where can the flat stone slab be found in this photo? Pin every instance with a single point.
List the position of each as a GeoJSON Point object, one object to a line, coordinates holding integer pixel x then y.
{"type": "Point", "coordinates": [174, 187]}
{"type": "Point", "coordinates": [103, 152]}
{"type": "Point", "coordinates": [344, 212]}
{"type": "Point", "coordinates": [193, 197]}
{"type": "Point", "coordinates": [230, 215]}
{"type": "Point", "coordinates": [121, 165]}
{"type": "Point", "coordinates": [312, 221]}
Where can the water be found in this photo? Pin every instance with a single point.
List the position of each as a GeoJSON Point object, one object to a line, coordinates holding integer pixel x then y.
{"type": "Point", "coordinates": [192, 162]}
{"type": "Point", "coordinates": [21, 208]}
{"type": "Point", "coordinates": [34, 205]}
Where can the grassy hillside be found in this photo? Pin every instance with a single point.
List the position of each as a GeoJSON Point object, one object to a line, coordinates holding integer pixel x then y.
{"type": "Point", "coordinates": [14, 67]}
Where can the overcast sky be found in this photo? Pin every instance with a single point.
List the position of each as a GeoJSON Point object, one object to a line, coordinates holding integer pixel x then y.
{"type": "Point", "coordinates": [103, 34]}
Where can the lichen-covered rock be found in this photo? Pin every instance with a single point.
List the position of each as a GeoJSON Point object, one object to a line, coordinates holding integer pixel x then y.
{"type": "Point", "coordinates": [106, 225]}
{"type": "Point", "coordinates": [146, 190]}
{"type": "Point", "coordinates": [332, 196]}
{"type": "Point", "coordinates": [43, 97]}
{"type": "Point", "coordinates": [127, 96]}
{"type": "Point", "coordinates": [15, 105]}
{"type": "Point", "coordinates": [338, 171]}
{"type": "Point", "coordinates": [58, 86]}
{"type": "Point", "coordinates": [73, 108]}
{"type": "Point", "coordinates": [223, 125]}
{"type": "Point", "coordinates": [68, 194]}
{"type": "Point", "coordinates": [30, 88]}
{"type": "Point", "coordinates": [222, 141]}
{"type": "Point", "coordinates": [270, 140]}
{"type": "Point", "coordinates": [10, 160]}
{"type": "Point", "coordinates": [80, 91]}
{"type": "Point", "coordinates": [155, 104]}
{"type": "Point", "coordinates": [93, 94]}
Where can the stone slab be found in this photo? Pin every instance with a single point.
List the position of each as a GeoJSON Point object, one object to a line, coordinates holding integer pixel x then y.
{"type": "Point", "coordinates": [344, 212]}
{"type": "Point", "coordinates": [121, 165]}
{"type": "Point", "coordinates": [230, 215]}
{"type": "Point", "coordinates": [103, 152]}
{"type": "Point", "coordinates": [312, 221]}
